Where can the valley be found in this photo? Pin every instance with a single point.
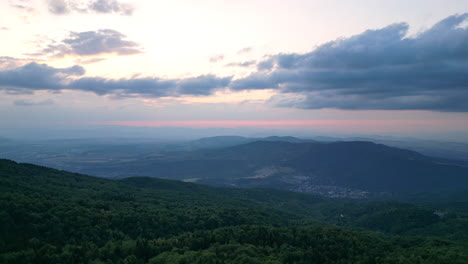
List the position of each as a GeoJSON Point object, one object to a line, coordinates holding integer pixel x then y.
{"type": "Point", "coordinates": [340, 169]}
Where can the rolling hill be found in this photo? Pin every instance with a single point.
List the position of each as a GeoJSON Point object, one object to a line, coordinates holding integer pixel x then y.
{"type": "Point", "coordinates": [354, 165]}
{"type": "Point", "coordinates": [352, 169]}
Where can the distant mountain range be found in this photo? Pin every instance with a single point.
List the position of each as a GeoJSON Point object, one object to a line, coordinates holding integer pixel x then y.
{"type": "Point", "coordinates": [448, 150]}
{"type": "Point", "coordinates": [338, 169]}
{"type": "Point", "coordinates": [227, 141]}
{"type": "Point", "coordinates": [335, 167]}
{"type": "Point", "coordinates": [349, 169]}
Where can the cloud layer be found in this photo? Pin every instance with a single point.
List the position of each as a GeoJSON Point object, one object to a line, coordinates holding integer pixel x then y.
{"type": "Point", "coordinates": [61, 7]}
{"type": "Point", "coordinates": [34, 76]}
{"type": "Point", "coordinates": [151, 87]}
{"type": "Point", "coordinates": [244, 64]}
{"type": "Point", "coordinates": [216, 58]}
{"type": "Point", "coordinates": [378, 69]}
{"type": "Point", "coordinates": [7, 62]}
{"type": "Point", "coordinates": [91, 43]}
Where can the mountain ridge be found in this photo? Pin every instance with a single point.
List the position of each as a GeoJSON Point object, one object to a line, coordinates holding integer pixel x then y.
{"type": "Point", "coordinates": [356, 164]}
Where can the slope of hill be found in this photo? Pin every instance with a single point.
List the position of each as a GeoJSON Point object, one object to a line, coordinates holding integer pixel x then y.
{"type": "Point", "coordinates": [340, 169]}
{"type": "Point", "coordinates": [350, 169]}
{"type": "Point", "coordinates": [52, 216]}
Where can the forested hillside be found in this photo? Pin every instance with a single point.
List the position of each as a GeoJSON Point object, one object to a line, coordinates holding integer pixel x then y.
{"type": "Point", "coordinates": [52, 216]}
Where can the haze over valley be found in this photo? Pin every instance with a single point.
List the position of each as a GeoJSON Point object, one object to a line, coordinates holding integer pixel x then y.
{"type": "Point", "coordinates": [344, 168]}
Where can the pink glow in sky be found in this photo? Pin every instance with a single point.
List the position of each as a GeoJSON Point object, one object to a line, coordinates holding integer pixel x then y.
{"type": "Point", "coordinates": [343, 125]}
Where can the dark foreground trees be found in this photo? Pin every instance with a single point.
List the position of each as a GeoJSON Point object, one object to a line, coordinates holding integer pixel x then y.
{"type": "Point", "coordinates": [51, 216]}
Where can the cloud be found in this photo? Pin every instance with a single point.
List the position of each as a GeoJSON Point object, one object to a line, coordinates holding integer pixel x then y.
{"type": "Point", "coordinates": [32, 103]}
{"type": "Point", "coordinates": [138, 87]}
{"type": "Point", "coordinates": [265, 64]}
{"type": "Point", "coordinates": [33, 76]}
{"type": "Point", "coordinates": [89, 61]}
{"type": "Point", "coordinates": [7, 62]}
{"type": "Point", "coordinates": [91, 43]}
{"type": "Point", "coordinates": [245, 51]}
{"type": "Point", "coordinates": [58, 7]}
{"type": "Point", "coordinates": [22, 5]}
{"type": "Point", "coordinates": [241, 64]}
{"type": "Point", "coordinates": [151, 87]}
{"type": "Point", "coordinates": [202, 85]}
{"type": "Point", "coordinates": [62, 7]}
{"type": "Point", "coordinates": [378, 69]}
{"type": "Point", "coordinates": [25, 8]}
{"type": "Point", "coordinates": [111, 6]}
{"type": "Point", "coordinates": [216, 58]}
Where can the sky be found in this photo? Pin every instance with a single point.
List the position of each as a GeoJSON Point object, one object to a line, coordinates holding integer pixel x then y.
{"type": "Point", "coordinates": [355, 67]}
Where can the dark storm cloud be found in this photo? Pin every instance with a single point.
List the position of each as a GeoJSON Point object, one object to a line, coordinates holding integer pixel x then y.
{"type": "Point", "coordinates": [33, 76]}
{"type": "Point", "coordinates": [378, 69]}
{"type": "Point", "coordinates": [91, 43]}
{"type": "Point", "coordinates": [61, 7]}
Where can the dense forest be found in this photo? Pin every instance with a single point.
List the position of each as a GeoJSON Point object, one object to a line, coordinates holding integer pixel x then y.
{"type": "Point", "coordinates": [52, 216]}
